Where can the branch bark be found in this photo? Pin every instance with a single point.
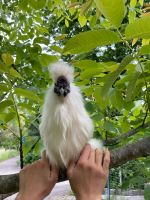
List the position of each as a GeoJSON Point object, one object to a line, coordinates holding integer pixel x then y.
{"type": "Point", "coordinates": [130, 152]}
{"type": "Point", "coordinates": [10, 183]}
{"type": "Point", "coordinates": [132, 132]}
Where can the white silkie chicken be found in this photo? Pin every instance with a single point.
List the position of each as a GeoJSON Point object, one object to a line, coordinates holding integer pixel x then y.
{"type": "Point", "coordinates": [66, 126]}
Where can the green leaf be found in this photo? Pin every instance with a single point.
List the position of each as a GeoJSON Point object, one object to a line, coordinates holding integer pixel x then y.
{"type": "Point", "coordinates": [92, 20]}
{"type": "Point", "coordinates": [23, 5]}
{"type": "Point", "coordinates": [113, 76]}
{"type": "Point", "coordinates": [147, 65]}
{"type": "Point", "coordinates": [7, 59]}
{"type": "Point", "coordinates": [45, 59]}
{"type": "Point", "coordinates": [37, 4]}
{"type": "Point", "coordinates": [3, 67]}
{"type": "Point", "coordinates": [41, 40]}
{"type": "Point", "coordinates": [132, 85]}
{"type": "Point", "coordinates": [5, 104]}
{"type": "Point", "coordinates": [103, 103]}
{"type": "Point", "coordinates": [24, 37]}
{"type": "Point", "coordinates": [141, 2]}
{"type": "Point", "coordinates": [147, 162]}
{"type": "Point", "coordinates": [133, 3]}
{"type": "Point", "coordinates": [14, 73]}
{"type": "Point", "coordinates": [88, 64]}
{"type": "Point", "coordinates": [136, 111]}
{"type": "Point", "coordinates": [25, 106]}
{"type": "Point", "coordinates": [38, 19]}
{"type": "Point", "coordinates": [109, 126]}
{"type": "Point", "coordinates": [43, 30]}
{"type": "Point", "coordinates": [9, 116]}
{"type": "Point", "coordinates": [147, 192]}
{"type": "Point", "coordinates": [92, 68]}
{"type": "Point", "coordinates": [57, 49]}
{"type": "Point", "coordinates": [116, 99]}
{"type": "Point", "coordinates": [27, 145]}
{"type": "Point", "coordinates": [50, 5]}
{"type": "Point", "coordinates": [139, 28]}
{"type": "Point", "coordinates": [3, 87]}
{"type": "Point", "coordinates": [38, 148]}
{"type": "Point", "coordinates": [88, 90]}
{"type": "Point", "coordinates": [90, 73]}
{"type": "Point", "coordinates": [85, 7]}
{"type": "Point", "coordinates": [145, 50]}
{"type": "Point", "coordinates": [132, 16]}
{"type": "Point", "coordinates": [128, 106]}
{"type": "Point", "coordinates": [125, 125]}
{"type": "Point", "coordinates": [82, 20]}
{"type": "Point", "coordinates": [61, 37]}
{"type": "Point", "coordinates": [112, 10]}
{"type": "Point", "coordinates": [66, 23]}
{"type": "Point", "coordinates": [26, 93]}
{"type": "Point", "coordinates": [86, 41]}
{"type": "Point", "coordinates": [126, 61]}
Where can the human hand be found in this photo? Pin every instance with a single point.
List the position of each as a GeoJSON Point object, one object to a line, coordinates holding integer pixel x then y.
{"type": "Point", "coordinates": [89, 175]}
{"type": "Point", "coordinates": [37, 180]}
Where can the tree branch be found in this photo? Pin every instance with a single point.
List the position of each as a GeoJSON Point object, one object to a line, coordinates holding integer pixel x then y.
{"type": "Point", "coordinates": [130, 152]}
{"type": "Point", "coordinates": [9, 183]}
{"type": "Point", "coordinates": [6, 127]}
{"type": "Point", "coordinates": [20, 131]}
{"type": "Point", "coordinates": [18, 120]}
{"type": "Point", "coordinates": [145, 117]}
{"type": "Point", "coordinates": [132, 132]}
{"type": "Point", "coordinates": [34, 145]}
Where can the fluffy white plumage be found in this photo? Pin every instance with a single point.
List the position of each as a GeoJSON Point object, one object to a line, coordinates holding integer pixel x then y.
{"type": "Point", "coordinates": [66, 126]}
{"type": "Point", "coordinates": [61, 69]}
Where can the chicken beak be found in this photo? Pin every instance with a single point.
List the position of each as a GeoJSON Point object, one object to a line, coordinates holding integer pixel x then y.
{"type": "Point", "coordinates": [62, 91]}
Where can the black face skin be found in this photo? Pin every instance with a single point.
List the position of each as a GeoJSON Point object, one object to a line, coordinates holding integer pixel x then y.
{"type": "Point", "coordinates": [62, 86]}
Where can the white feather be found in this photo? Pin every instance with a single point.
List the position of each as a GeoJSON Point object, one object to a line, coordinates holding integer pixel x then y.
{"type": "Point", "coordinates": [96, 144]}
{"type": "Point", "coordinates": [61, 69]}
{"type": "Point", "coordinates": [66, 126]}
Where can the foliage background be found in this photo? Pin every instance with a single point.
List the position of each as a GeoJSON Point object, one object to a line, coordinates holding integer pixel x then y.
{"type": "Point", "coordinates": [108, 43]}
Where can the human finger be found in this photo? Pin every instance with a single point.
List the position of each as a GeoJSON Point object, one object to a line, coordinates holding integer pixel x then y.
{"type": "Point", "coordinates": [92, 156]}
{"type": "Point", "coordinates": [44, 157]}
{"type": "Point", "coordinates": [98, 157]}
{"type": "Point", "coordinates": [106, 160]}
{"type": "Point", "coordinates": [54, 171]}
{"type": "Point", "coordinates": [54, 168]}
{"type": "Point", "coordinates": [71, 167]}
{"type": "Point", "coordinates": [25, 168]}
{"type": "Point", "coordinates": [85, 153]}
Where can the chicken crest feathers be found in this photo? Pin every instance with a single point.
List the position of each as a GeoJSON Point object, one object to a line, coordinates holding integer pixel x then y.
{"type": "Point", "coordinates": [61, 69]}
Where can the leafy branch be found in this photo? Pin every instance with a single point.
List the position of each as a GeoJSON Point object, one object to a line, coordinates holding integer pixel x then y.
{"type": "Point", "coordinates": [18, 120]}
{"type": "Point", "coordinates": [145, 116]}
{"type": "Point", "coordinates": [139, 62]}
{"type": "Point", "coordinates": [132, 132]}
{"type": "Point", "coordinates": [34, 145]}
{"type": "Point", "coordinates": [20, 131]}
{"type": "Point", "coordinates": [116, 140]}
{"type": "Point", "coordinates": [6, 127]}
